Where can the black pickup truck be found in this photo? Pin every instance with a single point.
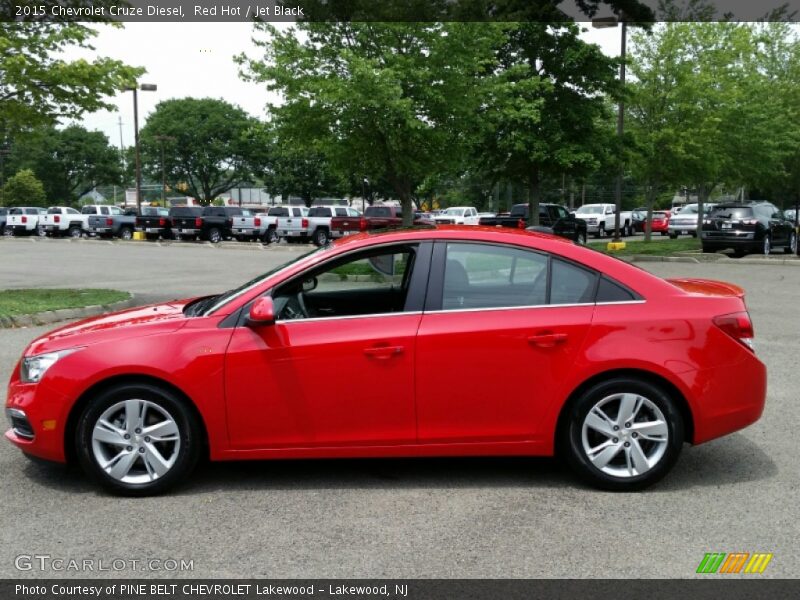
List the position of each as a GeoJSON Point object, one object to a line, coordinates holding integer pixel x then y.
{"type": "Point", "coordinates": [552, 217]}
{"type": "Point", "coordinates": [154, 221]}
{"type": "Point", "coordinates": [212, 223]}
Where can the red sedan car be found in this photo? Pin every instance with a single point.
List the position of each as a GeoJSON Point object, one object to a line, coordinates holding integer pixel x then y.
{"type": "Point", "coordinates": [439, 342]}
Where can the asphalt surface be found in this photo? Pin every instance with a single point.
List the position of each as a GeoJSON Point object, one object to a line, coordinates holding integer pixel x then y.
{"type": "Point", "coordinates": [452, 518]}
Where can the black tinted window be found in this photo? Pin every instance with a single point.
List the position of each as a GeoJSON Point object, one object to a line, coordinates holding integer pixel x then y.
{"type": "Point", "coordinates": [732, 212]}
{"type": "Point", "coordinates": [186, 211]}
{"type": "Point", "coordinates": [519, 210]}
{"type": "Point", "coordinates": [278, 211]}
{"type": "Point", "coordinates": [571, 284]}
{"type": "Point", "coordinates": [319, 211]}
{"type": "Point", "coordinates": [608, 291]}
{"type": "Point", "coordinates": [378, 211]}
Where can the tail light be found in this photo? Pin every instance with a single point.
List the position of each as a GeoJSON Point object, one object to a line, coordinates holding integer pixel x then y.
{"type": "Point", "coordinates": [749, 222]}
{"type": "Point", "coordinates": [257, 222]}
{"type": "Point", "coordinates": [138, 222]}
{"type": "Point", "coordinates": [24, 219]}
{"type": "Point", "coordinates": [57, 218]}
{"type": "Point", "coordinates": [162, 222]}
{"type": "Point", "coordinates": [521, 224]}
{"type": "Point", "coordinates": [362, 224]}
{"type": "Point", "coordinates": [304, 223]}
{"type": "Point", "coordinates": [198, 222]}
{"type": "Point", "coordinates": [738, 326]}
{"type": "Point", "coordinates": [109, 221]}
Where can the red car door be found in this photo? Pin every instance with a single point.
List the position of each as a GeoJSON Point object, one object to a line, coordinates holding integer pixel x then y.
{"type": "Point", "coordinates": [495, 351]}
{"type": "Point", "coordinates": [342, 373]}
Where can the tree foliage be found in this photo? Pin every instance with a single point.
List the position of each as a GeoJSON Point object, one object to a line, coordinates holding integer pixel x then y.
{"type": "Point", "coordinates": [38, 86]}
{"type": "Point", "coordinates": [69, 162]}
{"type": "Point", "coordinates": [23, 189]}
{"type": "Point", "coordinates": [208, 145]}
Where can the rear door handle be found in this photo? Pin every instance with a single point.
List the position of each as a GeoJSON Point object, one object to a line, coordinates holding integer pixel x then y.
{"type": "Point", "coordinates": [383, 352]}
{"type": "Point", "coordinates": [547, 340]}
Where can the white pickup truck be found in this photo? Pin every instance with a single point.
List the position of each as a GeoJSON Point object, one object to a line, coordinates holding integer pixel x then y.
{"type": "Point", "coordinates": [294, 226]}
{"type": "Point", "coordinates": [458, 215]}
{"type": "Point", "coordinates": [600, 219]}
{"type": "Point", "coordinates": [24, 220]}
{"type": "Point", "coordinates": [62, 220]}
{"type": "Point", "coordinates": [319, 222]}
{"type": "Point", "coordinates": [260, 226]}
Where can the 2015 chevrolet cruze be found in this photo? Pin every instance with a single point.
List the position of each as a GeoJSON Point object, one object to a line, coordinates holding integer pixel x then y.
{"type": "Point", "coordinates": [435, 342]}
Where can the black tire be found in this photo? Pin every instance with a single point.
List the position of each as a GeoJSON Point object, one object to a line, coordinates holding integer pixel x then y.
{"type": "Point", "coordinates": [40, 231]}
{"type": "Point", "coordinates": [271, 236]}
{"type": "Point", "coordinates": [74, 232]}
{"type": "Point", "coordinates": [581, 238]}
{"type": "Point", "coordinates": [791, 247]}
{"type": "Point", "coordinates": [663, 233]}
{"type": "Point", "coordinates": [572, 441]}
{"type": "Point", "coordinates": [189, 433]}
{"type": "Point", "coordinates": [708, 249]}
{"type": "Point", "coordinates": [601, 231]}
{"type": "Point", "coordinates": [126, 233]}
{"type": "Point", "coordinates": [738, 253]}
{"type": "Point", "coordinates": [321, 237]}
{"type": "Point", "coordinates": [673, 236]}
{"type": "Point", "coordinates": [766, 245]}
{"type": "Point", "coordinates": [214, 235]}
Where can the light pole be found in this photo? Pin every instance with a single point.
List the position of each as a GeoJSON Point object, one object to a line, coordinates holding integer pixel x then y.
{"type": "Point", "coordinates": [145, 87]}
{"type": "Point", "coordinates": [161, 139]}
{"type": "Point", "coordinates": [603, 23]}
{"type": "Point", "coordinates": [364, 186]}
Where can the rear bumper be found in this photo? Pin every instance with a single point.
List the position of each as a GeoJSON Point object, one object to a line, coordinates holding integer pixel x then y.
{"type": "Point", "coordinates": [745, 240]}
{"type": "Point", "coordinates": [99, 230]}
{"type": "Point", "coordinates": [187, 231]}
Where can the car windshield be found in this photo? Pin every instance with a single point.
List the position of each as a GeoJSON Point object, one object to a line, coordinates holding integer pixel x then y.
{"type": "Point", "coordinates": [591, 209]}
{"type": "Point", "coordinates": [209, 305]}
{"type": "Point", "coordinates": [659, 215]}
{"type": "Point", "coordinates": [454, 212]}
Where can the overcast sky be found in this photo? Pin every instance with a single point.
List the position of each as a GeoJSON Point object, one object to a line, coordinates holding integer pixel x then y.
{"type": "Point", "coordinates": [196, 59]}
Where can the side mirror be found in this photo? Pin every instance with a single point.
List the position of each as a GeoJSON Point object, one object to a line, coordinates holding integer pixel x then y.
{"type": "Point", "coordinates": [262, 312]}
{"type": "Point", "coordinates": [309, 285]}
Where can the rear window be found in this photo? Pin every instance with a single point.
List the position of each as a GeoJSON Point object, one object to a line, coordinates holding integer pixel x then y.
{"type": "Point", "coordinates": [186, 211]}
{"type": "Point", "coordinates": [731, 212]}
{"type": "Point", "coordinates": [520, 210]}
{"type": "Point", "coordinates": [278, 211]}
{"type": "Point", "coordinates": [53, 211]}
{"type": "Point", "coordinates": [33, 211]}
{"type": "Point", "coordinates": [378, 211]}
{"type": "Point", "coordinates": [659, 215]}
{"type": "Point", "coordinates": [319, 211]}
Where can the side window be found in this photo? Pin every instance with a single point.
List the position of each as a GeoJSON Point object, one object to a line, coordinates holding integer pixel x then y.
{"type": "Point", "coordinates": [562, 212]}
{"type": "Point", "coordinates": [366, 284]}
{"type": "Point", "coordinates": [115, 211]}
{"type": "Point", "coordinates": [571, 284]}
{"type": "Point", "coordinates": [485, 276]}
{"type": "Point", "coordinates": [341, 212]}
{"type": "Point", "coordinates": [103, 210]}
{"type": "Point", "coordinates": [609, 291]}
{"type": "Point", "coordinates": [72, 211]}
{"type": "Point", "coordinates": [352, 212]}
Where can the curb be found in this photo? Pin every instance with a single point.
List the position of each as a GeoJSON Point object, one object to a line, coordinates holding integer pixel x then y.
{"type": "Point", "coordinates": [721, 259]}
{"type": "Point", "coordinates": [64, 314]}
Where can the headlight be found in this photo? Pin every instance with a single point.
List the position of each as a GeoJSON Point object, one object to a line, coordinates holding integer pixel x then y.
{"type": "Point", "coordinates": [34, 367]}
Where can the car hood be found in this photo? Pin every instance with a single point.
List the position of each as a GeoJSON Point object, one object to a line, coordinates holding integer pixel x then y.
{"type": "Point", "coordinates": [708, 287]}
{"type": "Point", "coordinates": [133, 322]}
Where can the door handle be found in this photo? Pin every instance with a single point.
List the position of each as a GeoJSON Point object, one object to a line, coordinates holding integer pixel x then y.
{"type": "Point", "coordinates": [383, 352]}
{"type": "Point", "coordinates": [547, 340]}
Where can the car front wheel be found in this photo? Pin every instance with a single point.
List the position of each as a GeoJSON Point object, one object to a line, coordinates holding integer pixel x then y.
{"type": "Point", "coordinates": [767, 247]}
{"type": "Point", "coordinates": [137, 439]}
{"type": "Point", "coordinates": [791, 248]}
{"type": "Point", "coordinates": [623, 435]}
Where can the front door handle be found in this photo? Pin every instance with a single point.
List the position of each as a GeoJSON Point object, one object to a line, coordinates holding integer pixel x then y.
{"type": "Point", "coordinates": [547, 340]}
{"type": "Point", "coordinates": [383, 352]}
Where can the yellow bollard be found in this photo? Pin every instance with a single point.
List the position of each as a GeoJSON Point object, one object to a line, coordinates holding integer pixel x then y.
{"type": "Point", "coordinates": [614, 246]}
{"type": "Point", "coordinates": [139, 235]}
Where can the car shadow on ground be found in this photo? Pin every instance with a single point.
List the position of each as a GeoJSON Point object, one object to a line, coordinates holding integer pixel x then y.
{"type": "Point", "coordinates": [728, 461]}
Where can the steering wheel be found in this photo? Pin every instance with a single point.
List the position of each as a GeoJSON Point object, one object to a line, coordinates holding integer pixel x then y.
{"type": "Point", "coordinates": [302, 303]}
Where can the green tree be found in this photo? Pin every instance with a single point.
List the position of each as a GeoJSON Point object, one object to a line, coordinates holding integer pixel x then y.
{"type": "Point", "coordinates": [38, 86]}
{"type": "Point", "coordinates": [23, 189]}
{"type": "Point", "coordinates": [207, 145]}
{"type": "Point", "coordinates": [69, 162]}
{"type": "Point", "coordinates": [546, 107]}
{"type": "Point", "coordinates": [392, 98]}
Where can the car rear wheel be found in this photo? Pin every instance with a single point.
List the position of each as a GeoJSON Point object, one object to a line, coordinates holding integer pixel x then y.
{"type": "Point", "coordinates": [126, 233]}
{"type": "Point", "coordinates": [791, 248]}
{"type": "Point", "coordinates": [767, 247]}
{"type": "Point", "coordinates": [41, 231]}
{"type": "Point", "coordinates": [271, 237]}
{"type": "Point", "coordinates": [320, 237]}
{"type": "Point", "coordinates": [623, 434]}
{"type": "Point", "coordinates": [74, 231]}
{"type": "Point", "coordinates": [137, 439]}
{"type": "Point", "coordinates": [601, 230]}
{"type": "Point", "coordinates": [214, 236]}
{"type": "Point", "coordinates": [673, 236]}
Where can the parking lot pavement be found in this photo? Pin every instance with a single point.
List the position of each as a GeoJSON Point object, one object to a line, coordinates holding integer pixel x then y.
{"type": "Point", "coordinates": [505, 517]}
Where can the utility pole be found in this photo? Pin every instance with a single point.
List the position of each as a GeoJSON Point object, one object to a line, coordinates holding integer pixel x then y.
{"type": "Point", "coordinates": [161, 139]}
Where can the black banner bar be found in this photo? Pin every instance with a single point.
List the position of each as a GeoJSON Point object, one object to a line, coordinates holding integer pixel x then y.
{"type": "Point", "coordinates": [715, 586]}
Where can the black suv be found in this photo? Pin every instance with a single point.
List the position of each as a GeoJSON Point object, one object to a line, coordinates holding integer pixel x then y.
{"type": "Point", "coordinates": [747, 227]}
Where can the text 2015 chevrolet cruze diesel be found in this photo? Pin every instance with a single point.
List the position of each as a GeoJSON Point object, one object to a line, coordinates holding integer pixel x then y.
{"type": "Point", "coordinates": [428, 342]}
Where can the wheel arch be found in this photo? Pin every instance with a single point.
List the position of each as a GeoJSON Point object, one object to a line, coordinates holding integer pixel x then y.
{"type": "Point", "coordinates": [648, 376]}
{"type": "Point", "coordinates": [131, 378]}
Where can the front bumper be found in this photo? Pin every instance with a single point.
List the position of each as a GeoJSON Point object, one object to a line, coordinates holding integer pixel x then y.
{"type": "Point", "coordinates": [45, 412]}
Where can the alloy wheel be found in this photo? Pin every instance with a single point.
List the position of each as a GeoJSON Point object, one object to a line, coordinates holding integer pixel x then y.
{"type": "Point", "coordinates": [135, 441]}
{"type": "Point", "coordinates": [767, 245]}
{"type": "Point", "coordinates": [793, 243]}
{"type": "Point", "coordinates": [624, 435]}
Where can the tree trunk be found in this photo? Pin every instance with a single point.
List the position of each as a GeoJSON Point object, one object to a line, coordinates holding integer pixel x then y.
{"type": "Point", "coordinates": [702, 193]}
{"type": "Point", "coordinates": [534, 196]}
